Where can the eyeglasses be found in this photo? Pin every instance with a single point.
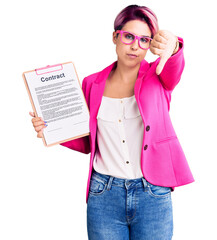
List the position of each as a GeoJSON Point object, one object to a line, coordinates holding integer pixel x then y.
{"type": "Point", "coordinates": [129, 38]}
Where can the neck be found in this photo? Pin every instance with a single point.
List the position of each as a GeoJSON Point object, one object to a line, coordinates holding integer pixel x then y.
{"type": "Point", "coordinates": [125, 74]}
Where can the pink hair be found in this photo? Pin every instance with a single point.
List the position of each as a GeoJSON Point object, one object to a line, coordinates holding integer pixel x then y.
{"type": "Point", "coordinates": [135, 12]}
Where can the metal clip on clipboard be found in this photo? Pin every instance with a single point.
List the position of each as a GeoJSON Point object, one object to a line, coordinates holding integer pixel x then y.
{"type": "Point", "coordinates": [43, 70]}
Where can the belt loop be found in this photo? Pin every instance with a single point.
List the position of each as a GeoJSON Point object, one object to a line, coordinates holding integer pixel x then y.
{"type": "Point", "coordinates": [110, 182]}
{"type": "Point", "coordinates": [144, 183]}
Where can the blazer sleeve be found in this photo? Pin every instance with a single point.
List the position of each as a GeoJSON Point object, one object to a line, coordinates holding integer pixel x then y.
{"type": "Point", "coordinates": [172, 71]}
{"type": "Point", "coordinates": [80, 144]}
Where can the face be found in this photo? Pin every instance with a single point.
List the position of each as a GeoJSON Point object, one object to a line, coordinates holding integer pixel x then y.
{"type": "Point", "coordinates": [125, 52]}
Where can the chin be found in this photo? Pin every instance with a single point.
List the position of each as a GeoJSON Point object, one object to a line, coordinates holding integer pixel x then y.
{"type": "Point", "coordinates": [130, 62]}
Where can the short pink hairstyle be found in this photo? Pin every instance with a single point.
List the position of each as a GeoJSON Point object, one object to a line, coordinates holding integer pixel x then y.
{"type": "Point", "coordinates": [135, 12]}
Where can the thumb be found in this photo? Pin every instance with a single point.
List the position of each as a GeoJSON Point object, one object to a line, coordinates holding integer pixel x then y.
{"type": "Point", "coordinates": [32, 114]}
{"type": "Point", "coordinates": [161, 64]}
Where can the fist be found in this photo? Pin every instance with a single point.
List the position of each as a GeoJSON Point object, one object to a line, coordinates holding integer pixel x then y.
{"type": "Point", "coordinates": [164, 44]}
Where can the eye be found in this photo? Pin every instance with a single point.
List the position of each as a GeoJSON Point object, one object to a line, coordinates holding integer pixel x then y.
{"type": "Point", "coordinates": [145, 40]}
{"type": "Point", "coordinates": [128, 36]}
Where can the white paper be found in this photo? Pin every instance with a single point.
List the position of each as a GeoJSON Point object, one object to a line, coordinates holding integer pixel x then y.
{"type": "Point", "coordinates": [59, 100]}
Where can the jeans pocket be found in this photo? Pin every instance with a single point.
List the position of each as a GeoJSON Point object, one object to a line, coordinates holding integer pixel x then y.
{"type": "Point", "coordinates": [97, 186]}
{"type": "Point", "coordinates": [158, 191]}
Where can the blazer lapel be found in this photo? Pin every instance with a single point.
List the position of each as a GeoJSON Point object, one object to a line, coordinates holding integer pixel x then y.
{"type": "Point", "coordinates": [143, 70]}
{"type": "Point", "coordinates": [96, 94]}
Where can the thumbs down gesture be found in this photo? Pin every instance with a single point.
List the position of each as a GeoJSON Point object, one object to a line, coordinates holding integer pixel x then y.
{"type": "Point", "coordinates": [164, 44]}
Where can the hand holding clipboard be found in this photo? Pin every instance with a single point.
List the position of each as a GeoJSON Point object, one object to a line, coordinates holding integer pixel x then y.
{"type": "Point", "coordinates": [38, 124]}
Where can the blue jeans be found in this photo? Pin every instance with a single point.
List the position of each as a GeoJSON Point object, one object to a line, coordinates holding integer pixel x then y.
{"type": "Point", "coordinates": [128, 209]}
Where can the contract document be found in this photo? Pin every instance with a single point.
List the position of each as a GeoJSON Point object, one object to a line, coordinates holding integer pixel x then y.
{"type": "Point", "coordinates": [56, 96]}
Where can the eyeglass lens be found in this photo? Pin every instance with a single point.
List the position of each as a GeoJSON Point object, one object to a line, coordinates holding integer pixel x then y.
{"type": "Point", "coordinates": [129, 38]}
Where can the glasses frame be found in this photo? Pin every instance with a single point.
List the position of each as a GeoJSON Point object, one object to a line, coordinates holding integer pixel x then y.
{"type": "Point", "coordinates": [135, 37]}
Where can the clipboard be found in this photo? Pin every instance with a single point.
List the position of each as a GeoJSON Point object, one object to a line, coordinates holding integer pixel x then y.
{"type": "Point", "coordinates": [56, 95]}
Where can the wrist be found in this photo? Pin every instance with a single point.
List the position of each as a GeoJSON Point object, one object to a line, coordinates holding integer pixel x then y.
{"type": "Point", "coordinates": [176, 46]}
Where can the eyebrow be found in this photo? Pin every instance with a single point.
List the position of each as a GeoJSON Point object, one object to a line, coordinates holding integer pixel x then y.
{"type": "Point", "coordinates": [145, 36]}
{"type": "Point", "coordinates": [139, 35]}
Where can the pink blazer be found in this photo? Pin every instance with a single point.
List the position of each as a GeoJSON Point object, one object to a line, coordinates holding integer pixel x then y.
{"type": "Point", "coordinates": [162, 159]}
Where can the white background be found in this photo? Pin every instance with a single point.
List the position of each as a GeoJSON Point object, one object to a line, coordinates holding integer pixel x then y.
{"type": "Point", "coordinates": [42, 190]}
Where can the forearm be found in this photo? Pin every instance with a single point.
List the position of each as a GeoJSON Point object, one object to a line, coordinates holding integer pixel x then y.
{"type": "Point", "coordinates": [80, 144]}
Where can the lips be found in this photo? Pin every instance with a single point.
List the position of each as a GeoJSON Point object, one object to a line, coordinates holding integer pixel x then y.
{"type": "Point", "coordinates": [132, 55]}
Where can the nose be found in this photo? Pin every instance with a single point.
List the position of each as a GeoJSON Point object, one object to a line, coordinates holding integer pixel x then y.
{"type": "Point", "coordinates": [135, 44]}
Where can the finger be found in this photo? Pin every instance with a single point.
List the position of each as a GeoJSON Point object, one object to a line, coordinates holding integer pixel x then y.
{"type": "Point", "coordinates": [32, 114]}
{"type": "Point", "coordinates": [158, 45]}
{"type": "Point", "coordinates": [161, 39]}
{"type": "Point", "coordinates": [161, 64]}
{"type": "Point", "coordinates": [156, 51]}
{"type": "Point", "coordinates": [39, 128]}
{"type": "Point", "coordinates": [36, 119]}
{"type": "Point", "coordinates": [39, 123]}
{"type": "Point", "coordinates": [40, 134]}
{"type": "Point", "coordinates": [164, 34]}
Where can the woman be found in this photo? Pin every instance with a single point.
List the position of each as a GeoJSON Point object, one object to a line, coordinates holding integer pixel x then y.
{"type": "Point", "coordinates": [136, 159]}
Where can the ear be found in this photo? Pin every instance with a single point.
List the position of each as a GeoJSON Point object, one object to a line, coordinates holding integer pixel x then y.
{"type": "Point", "coordinates": [114, 39]}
